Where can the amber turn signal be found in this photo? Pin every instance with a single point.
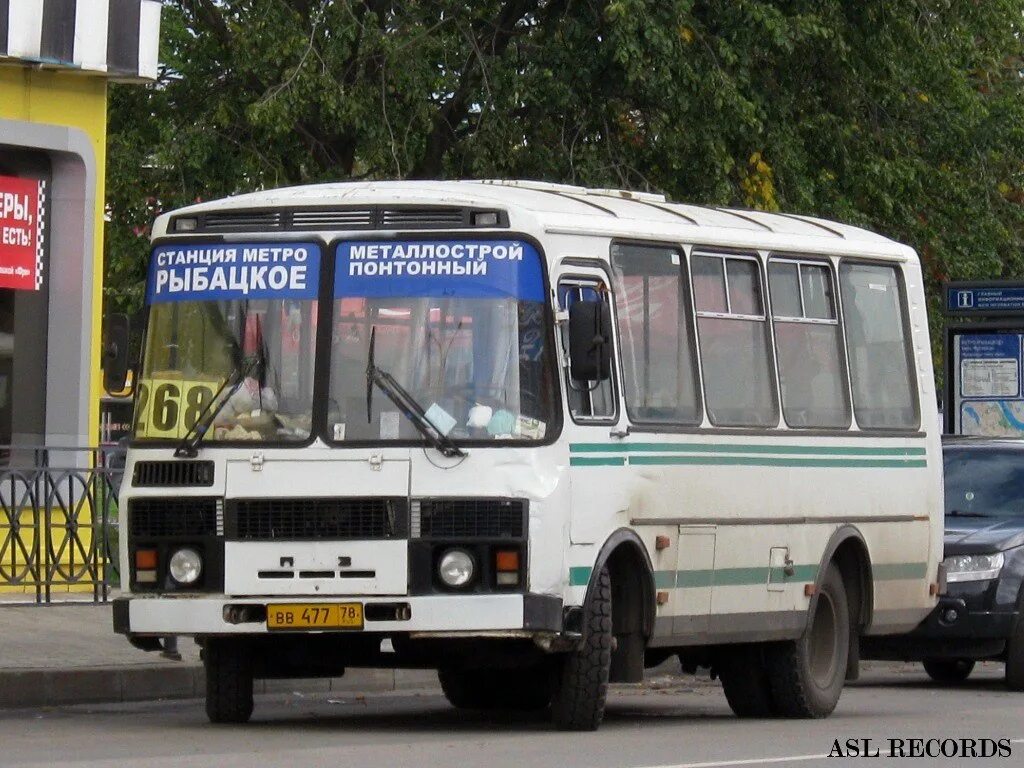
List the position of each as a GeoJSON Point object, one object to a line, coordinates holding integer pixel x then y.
{"type": "Point", "coordinates": [506, 560]}
{"type": "Point", "coordinates": [145, 559]}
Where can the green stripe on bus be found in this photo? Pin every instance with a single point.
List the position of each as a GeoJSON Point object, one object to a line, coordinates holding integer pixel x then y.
{"type": "Point", "coordinates": [579, 576]}
{"type": "Point", "coordinates": [694, 579]}
{"type": "Point", "coordinates": [744, 461]}
{"type": "Point", "coordinates": [664, 579]}
{"type": "Point", "coordinates": [747, 577]}
{"type": "Point", "coordinates": [823, 450]}
{"type": "Point", "coordinates": [597, 461]}
{"type": "Point", "coordinates": [899, 571]}
{"type": "Point", "coordinates": [766, 461]}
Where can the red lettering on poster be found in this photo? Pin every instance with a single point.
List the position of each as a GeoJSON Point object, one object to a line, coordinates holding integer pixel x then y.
{"type": "Point", "coordinates": [21, 233]}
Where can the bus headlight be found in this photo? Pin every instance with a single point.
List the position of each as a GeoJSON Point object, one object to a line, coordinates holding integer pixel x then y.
{"type": "Point", "coordinates": [973, 567]}
{"type": "Point", "coordinates": [186, 566]}
{"type": "Point", "coordinates": [456, 568]}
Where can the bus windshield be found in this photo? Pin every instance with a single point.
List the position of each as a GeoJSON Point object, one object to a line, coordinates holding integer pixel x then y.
{"type": "Point", "coordinates": [216, 311]}
{"type": "Point", "coordinates": [459, 325]}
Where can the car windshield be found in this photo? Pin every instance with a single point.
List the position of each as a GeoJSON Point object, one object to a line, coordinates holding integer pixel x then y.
{"type": "Point", "coordinates": [984, 481]}
{"type": "Point", "coordinates": [461, 327]}
{"type": "Point", "coordinates": [219, 311]}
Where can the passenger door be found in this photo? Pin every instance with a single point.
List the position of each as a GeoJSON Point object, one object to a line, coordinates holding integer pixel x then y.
{"type": "Point", "coordinates": [593, 413]}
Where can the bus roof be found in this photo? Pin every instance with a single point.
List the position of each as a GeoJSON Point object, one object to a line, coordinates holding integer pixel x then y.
{"type": "Point", "coordinates": [561, 208]}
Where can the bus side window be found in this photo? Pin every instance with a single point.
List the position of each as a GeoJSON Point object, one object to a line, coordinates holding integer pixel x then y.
{"type": "Point", "coordinates": [656, 335]}
{"type": "Point", "coordinates": [808, 340]}
{"type": "Point", "coordinates": [874, 312]}
{"type": "Point", "coordinates": [739, 381]}
{"type": "Point", "coordinates": [588, 400]}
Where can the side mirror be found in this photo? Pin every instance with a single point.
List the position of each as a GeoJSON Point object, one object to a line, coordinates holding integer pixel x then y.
{"type": "Point", "coordinates": [590, 341]}
{"type": "Point", "coordinates": [116, 331]}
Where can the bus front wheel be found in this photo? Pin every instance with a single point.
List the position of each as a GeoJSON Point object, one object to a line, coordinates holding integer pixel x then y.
{"type": "Point", "coordinates": [807, 675]}
{"type": "Point", "coordinates": [229, 678]}
{"type": "Point", "coordinates": [581, 676]}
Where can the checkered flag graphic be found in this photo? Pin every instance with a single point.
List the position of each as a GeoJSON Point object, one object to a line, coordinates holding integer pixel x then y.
{"type": "Point", "coordinates": [40, 234]}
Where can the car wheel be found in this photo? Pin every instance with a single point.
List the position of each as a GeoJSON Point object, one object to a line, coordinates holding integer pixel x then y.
{"type": "Point", "coordinates": [948, 670]}
{"type": "Point", "coordinates": [1015, 658]}
{"type": "Point", "coordinates": [807, 675]}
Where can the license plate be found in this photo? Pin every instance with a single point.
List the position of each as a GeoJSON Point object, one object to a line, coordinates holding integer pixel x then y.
{"type": "Point", "coordinates": [292, 616]}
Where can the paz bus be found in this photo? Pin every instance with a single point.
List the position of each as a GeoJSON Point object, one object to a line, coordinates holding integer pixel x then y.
{"type": "Point", "coordinates": [533, 436]}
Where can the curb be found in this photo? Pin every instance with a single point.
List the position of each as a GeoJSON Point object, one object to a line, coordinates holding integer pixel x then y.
{"type": "Point", "coordinates": [111, 685]}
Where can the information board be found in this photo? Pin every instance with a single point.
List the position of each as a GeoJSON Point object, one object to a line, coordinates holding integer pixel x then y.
{"type": "Point", "coordinates": [987, 384]}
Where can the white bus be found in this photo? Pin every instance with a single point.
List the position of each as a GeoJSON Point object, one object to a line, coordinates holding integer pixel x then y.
{"type": "Point", "coordinates": [533, 436]}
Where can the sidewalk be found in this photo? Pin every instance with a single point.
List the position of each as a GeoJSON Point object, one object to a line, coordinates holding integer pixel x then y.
{"type": "Point", "coordinates": [68, 654]}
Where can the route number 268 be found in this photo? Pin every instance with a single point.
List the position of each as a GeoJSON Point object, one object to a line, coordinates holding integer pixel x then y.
{"type": "Point", "coordinates": [170, 408]}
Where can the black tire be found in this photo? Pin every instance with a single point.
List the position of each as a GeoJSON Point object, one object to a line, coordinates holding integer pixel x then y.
{"type": "Point", "coordinates": [462, 690]}
{"type": "Point", "coordinates": [745, 680]}
{"type": "Point", "coordinates": [807, 675]}
{"type": "Point", "coordinates": [1015, 657]}
{"type": "Point", "coordinates": [948, 670]}
{"type": "Point", "coordinates": [229, 678]}
{"type": "Point", "coordinates": [523, 690]}
{"type": "Point", "coordinates": [581, 677]}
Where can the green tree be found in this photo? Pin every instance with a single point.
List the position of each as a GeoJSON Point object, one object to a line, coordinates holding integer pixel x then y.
{"type": "Point", "coordinates": [905, 116]}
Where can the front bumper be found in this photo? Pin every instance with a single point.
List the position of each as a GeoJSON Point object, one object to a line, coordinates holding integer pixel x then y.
{"type": "Point", "coordinates": [959, 627]}
{"type": "Point", "coordinates": [956, 618]}
{"type": "Point", "coordinates": [438, 614]}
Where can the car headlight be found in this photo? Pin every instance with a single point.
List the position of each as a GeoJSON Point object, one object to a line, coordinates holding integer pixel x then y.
{"type": "Point", "coordinates": [456, 568]}
{"type": "Point", "coordinates": [186, 566]}
{"type": "Point", "coordinates": [973, 567]}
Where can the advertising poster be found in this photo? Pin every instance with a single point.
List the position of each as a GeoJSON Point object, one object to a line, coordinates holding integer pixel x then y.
{"type": "Point", "coordinates": [21, 233]}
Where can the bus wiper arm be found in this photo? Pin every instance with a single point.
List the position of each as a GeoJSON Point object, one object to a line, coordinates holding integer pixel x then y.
{"type": "Point", "coordinates": [186, 449]}
{"type": "Point", "coordinates": [963, 513]}
{"type": "Point", "coordinates": [406, 403]}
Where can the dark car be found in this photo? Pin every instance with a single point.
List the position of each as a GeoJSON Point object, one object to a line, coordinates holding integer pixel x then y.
{"type": "Point", "coordinates": [979, 615]}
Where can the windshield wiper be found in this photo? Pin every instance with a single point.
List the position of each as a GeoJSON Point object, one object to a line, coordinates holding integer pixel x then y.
{"type": "Point", "coordinates": [406, 403]}
{"type": "Point", "coordinates": [186, 449]}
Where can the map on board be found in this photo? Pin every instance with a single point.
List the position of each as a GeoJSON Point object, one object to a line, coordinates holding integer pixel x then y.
{"type": "Point", "coordinates": [994, 418]}
{"type": "Point", "coordinates": [989, 397]}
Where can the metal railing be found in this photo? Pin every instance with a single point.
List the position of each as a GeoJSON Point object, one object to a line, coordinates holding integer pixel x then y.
{"type": "Point", "coordinates": [58, 523]}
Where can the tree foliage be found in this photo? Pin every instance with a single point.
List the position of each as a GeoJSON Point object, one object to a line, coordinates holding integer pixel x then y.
{"type": "Point", "coordinates": [905, 116]}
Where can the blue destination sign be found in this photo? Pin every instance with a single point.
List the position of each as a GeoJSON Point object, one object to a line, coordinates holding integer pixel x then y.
{"type": "Point", "coordinates": [984, 300]}
{"type": "Point", "coordinates": [472, 269]}
{"type": "Point", "coordinates": [233, 271]}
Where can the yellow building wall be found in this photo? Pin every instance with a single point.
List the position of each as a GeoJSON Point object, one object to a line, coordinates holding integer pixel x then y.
{"type": "Point", "coordinates": [73, 100]}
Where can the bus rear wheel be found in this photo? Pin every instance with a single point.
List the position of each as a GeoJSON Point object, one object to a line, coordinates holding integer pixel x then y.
{"type": "Point", "coordinates": [229, 678]}
{"type": "Point", "coordinates": [581, 676]}
{"type": "Point", "coordinates": [807, 674]}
